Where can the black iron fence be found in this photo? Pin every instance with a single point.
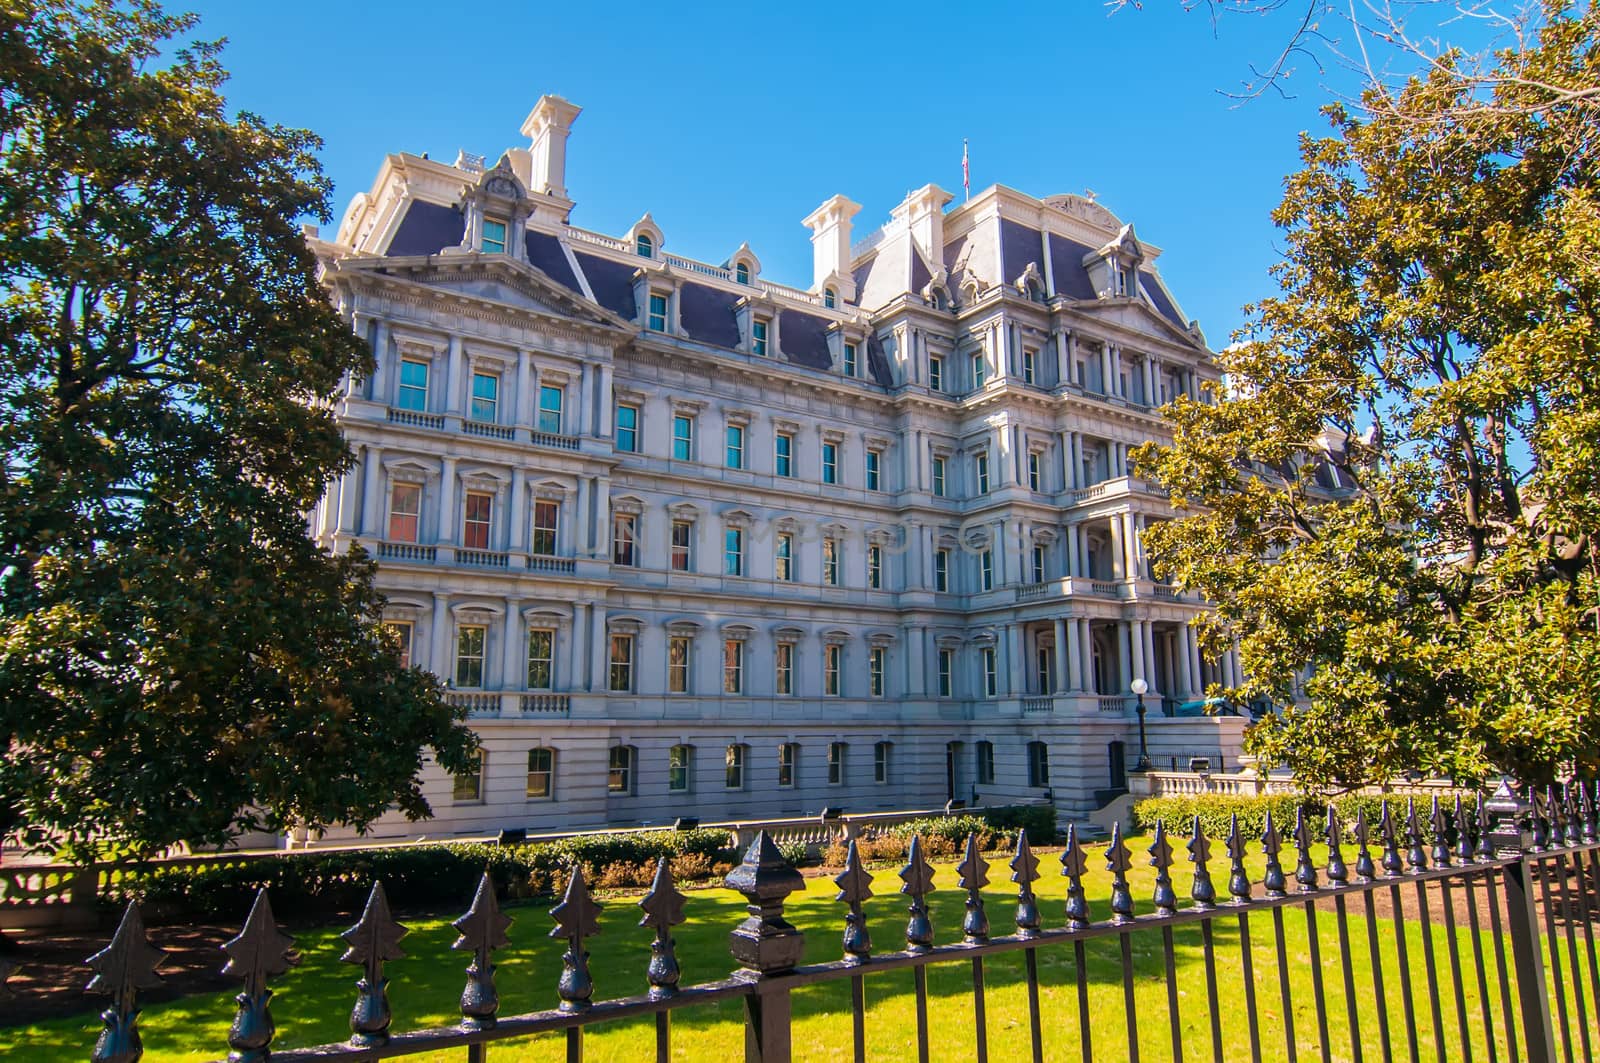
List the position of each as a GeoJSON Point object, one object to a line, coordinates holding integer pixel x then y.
{"type": "Point", "coordinates": [1527, 871]}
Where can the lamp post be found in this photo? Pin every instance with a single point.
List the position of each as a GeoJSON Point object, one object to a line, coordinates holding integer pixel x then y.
{"type": "Point", "coordinates": [1139, 686]}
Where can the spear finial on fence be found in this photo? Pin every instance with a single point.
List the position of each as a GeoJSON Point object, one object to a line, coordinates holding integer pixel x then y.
{"type": "Point", "coordinates": [1305, 872]}
{"type": "Point", "coordinates": [1338, 873]}
{"type": "Point", "coordinates": [663, 910]}
{"type": "Point", "coordinates": [1485, 850]}
{"type": "Point", "coordinates": [1366, 870]}
{"type": "Point", "coordinates": [974, 872]}
{"type": "Point", "coordinates": [1570, 812]}
{"type": "Point", "coordinates": [482, 930]}
{"type": "Point", "coordinates": [1119, 861]}
{"type": "Point", "coordinates": [1540, 816]}
{"type": "Point", "coordinates": [855, 887]}
{"type": "Point", "coordinates": [577, 918]}
{"type": "Point", "coordinates": [1463, 823]}
{"type": "Point", "coordinates": [917, 882]}
{"type": "Point", "coordinates": [1393, 866]}
{"type": "Point", "coordinates": [1203, 891]}
{"type": "Point", "coordinates": [1238, 878]}
{"type": "Point", "coordinates": [1273, 881]}
{"type": "Point", "coordinates": [1074, 863]}
{"type": "Point", "coordinates": [1166, 899]}
{"type": "Point", "coordinates": [1586, 809]}
{"type": "Point", "coordinates": [1439, 825]}
{"type": "Point", "coordinates": [125, 966]}
{"type": "Point", "coordinates": [1024, 870]}
{"type": "Point", "coordinates": [765, 942]}
{"type": "Point", "coordinates": [1416, 857]}
{"type": "Point", "coordinates": [374, 940]}
{"type": "Point", "coordinates": [259, 952]}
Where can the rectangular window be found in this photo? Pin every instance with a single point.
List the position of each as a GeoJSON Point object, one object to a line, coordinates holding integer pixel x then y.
{"type": "Point", "coordinates": [977, 371]}
{"type": "Point", "coordinates": [758, 337]}
{"type": "Point", "coordinates": [1046, 680]}
{"type": "Point", "coordinates": [679, 650]}
{"type": "Point", "coordinates": [405, 512]}
{"type": "Point", "coordinates": [874, 463]}
{"type": "Point", "coordinates": [986, 569]}
{"type": "Point", "coordinates": [1038, 764]}
{"type": "Point", "coordinates": [468, 785]}
{"type": "Point", "coordinates": [733, 768]}
{"type": "Point", "coordinates": [476, 520]}
{"type": "Point", "coordinates": [938, 477]}
{"type": "Point", "coordinates": [788, 753]}
{"type": "Point", "coordinates": [621, 663]}
{"type": "Point", "coordinates": [541, 772]}
{"type": "Point", "coordinates": [494, 237]}
{"type": "Point", "coordinates": [783, 667]}
{"type": "Point", "coordinates": [836, 753]}
{"type": "Point", "coordinates": [1033, 471]}
{"type": "Point", "coordinates": [657, 320]}
{"type": "Point", "coordinates": [849, 359]}
{"type": "Point", "coordinates": [941, 570]}
{"type": "Point", "coordinates": [1027, 366]}
{"type": "Point", "coordinates": [981, 460]}
{"type": "Point", "coordinates": [628, 429]}
{"type": "Point", "coordinates": [986, 762]}
{"type": "Point", "coordinates": [875, 567]}
{"type": "Point", "coordinates": [413, 392]}
{"type": "Point", "coordinates": [469, 656]}
{"type": "Point", "coordinates": [683, 437]}
{"type": "Point", "coordinates": [880, 762]}
{"type": "Point", "coordinates": [550, 410]}
{"type": "Point", "coordinates": [783, 454]}
{"type": "Point", "coordinates": [830, 463]}
{"type": "Point", "coordinates": [619, 773]}
{"type": "Point", "coordinates": [680, 767]}
{"type": "Point", "coordinates": [936, 374]}
{"type": "Point", "coordinates": [732, 666]}
{"type": "Point", "coordinates": [875, 663]}
{"type": "Point", "coordinates": [624, 536]}
{"type": "Point", "coordinates": [485, 397]}
{"type": "Point", "coordinates": [830, 562]}
{"type": "Point", "coordinates": [400, 631]}
{"type": "Point", "coordinates": [833, 660]}
{"type": "Point", "coordinates": [682, 534]}
{"type": "Point", "coordinates": [735, 449]}
{"type": "Point", "coordinates": [989, 687]}
{"type": "Point", "coordinates": [733, 551]}
{"type": "Point", "coordinates": [541, 657]}
{"type": "Point", "coordinates": [1038, 564]}
{"type": "Point", "coordinates": [783, 557]}
{"type": "Point", "coordinates": [946, 668]}
{"type": "Point", "coordinates": [546, 518]}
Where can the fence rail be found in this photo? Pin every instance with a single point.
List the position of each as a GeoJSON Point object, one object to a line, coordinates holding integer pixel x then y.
{"type": "Point", "coordinates": [1535, 862]}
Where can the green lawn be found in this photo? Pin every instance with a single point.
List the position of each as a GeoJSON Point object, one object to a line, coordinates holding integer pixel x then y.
{"type": "Point", "coordinates": [312, 1002]}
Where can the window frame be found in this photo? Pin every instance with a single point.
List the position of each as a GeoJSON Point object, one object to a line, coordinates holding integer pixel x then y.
{"type": "Point", "coordinates": [733, 764]}
{"type": "Point", "coordinates": [783, 669]}
{"type": "Point", "coordinates": [411, 489]}
{"type": "Point", "coordinates": [733, 446]}
{"type": "Point", "coordinates": [546, 538]}
{"type": "Point", "coordinates": [833, 670]}
{"type": "Point", "coordinates": [404, 633]}
{"type": "Point", "coordinates": [783, 557]}
{"type": "Point", "coordinates": [625, 539]}
{"type": "Point", "coordinates": [788, 764]}
{"type": "Point", "coordinates": [485, 240]}
{"type": "Point", "coordinates": [941, 570]}
{"type": "Point", "coordinates": [733, 666]}
{"type": "Point", "coordinates": [1034, 476]}
{"type": "Point", "coordinates": [680, 679]}
{"type": "Point", "coordinates": [991, 685]}
{"type": "Point", "coordinates": [877, 665]}
{"type": "Point", "coordinates": [1038, 764]}
{"type": "Point", "coordinates": [680, 768]}
{"type": "Point", "coordinates": [874, 469]}
{"type": "Point", "coordinates": [547, 662]}
{"type": "Point", "coordinates": [683, 437]}
{"type": "Point", "coordinates": [938, 471]}
{"type": "Point", "coordinates": [619, 671]}
{"type": "Point", "coordinates": [984, 762]}
{"type": "Point", "coordinates": [464, 658]}
{"type": "Point", "coordinates": [874, 567]}
{"type": "Point", "coordinates": [548, 772]}
{"type": "Point", "coordinates": [658, 311]}
{"type": "Point", "coordinates": [548, 417]}
{"type": "Point", "coordinates": [732, 551]}
{"type": "Point", "coordinates": [628, 431]}
{"type": "Point", "coordinates": [484, 408]}
{"type": "Point", "coordinates": [619, 770]}
{"type": "Point", "coordinates": [463, 795]}
{"type": "Point", "coordinates": [681, 555]}
{"type": "Point", "coordinates": [760, 329]}
{"type": "Point", "coordinates": [830, 462]}
{"type": "Point", "coordinates": [830, 561]}
{"type": "Point", "coordinates": [946, 661]}
{"type": "Point", "coordinates": [783, 454]}
{"type": "Point", "coordinates": [403, 389]}
{"type": "Point", "coordinates": [980, 464]}
{"type": "Point", "coordinates": [849, 360]}
{"type": "Point", "coordinates": [477, 528]}
{"type": "Point", "coordinates": [880, 762]}
{"type": "Point", "coordinates": [986, 569]}
{"type": "Point", "coordinates": [838, 756]}
{"type": "Point", "coordinates": [935, 373]}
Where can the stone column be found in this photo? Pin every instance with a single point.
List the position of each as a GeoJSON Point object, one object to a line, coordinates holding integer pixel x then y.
{"type": "Point", "coordinates": [513, 654]}
{"type": "Point", "coordinates": [349, 510]}
{"type": "Point", "coordinates": [447, 502]}
{"type": "Point", "coordinates": [1196, 674]}
{"type": "Point", "coordinates": [518, 538]}
{"type": "Point", "coordinates": [1151, 674]}
{"type": "Point", "coordinates": [1180, 652]}
{"type": "Point", "coordinates": [521, 402]}
{"type": "Point", "coordinates": [372, 491]}
{"type": "Point", "coordinates": [1085, 652]}
{"type": "Point", "coordinates": [1119, 551]}
{"type": "Point", "coordinates": [380, 362]}
{"type": "Point", "coordinates": [1066, 677]}
{"type": "Point", "coordinates": [598, 649]}
{"type": "Point", "coordinates": [439, 638]}
{"type": "Point", "coordinates": [452, 377]}
{"type": "Point", "coordinates": [1138, 633]}
{"type": "Point", "coordinates": [1124, 655]}
{"type": "Point", "coordinates": [1016, 680]}
{"type": "Point", "coordinates": [579, 544]}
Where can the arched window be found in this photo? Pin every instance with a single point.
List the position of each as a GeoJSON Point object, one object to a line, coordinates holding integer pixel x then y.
{"type": "Point", "coordinates": [829, 298]}
{"type": "Point", "coordinates": [939, 299]}
{"type": "Point", "coordinates": [645, 245]}
{"type": "Point", "coordinates": [741, 273]}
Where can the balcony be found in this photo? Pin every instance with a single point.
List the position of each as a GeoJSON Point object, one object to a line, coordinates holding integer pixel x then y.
{"type": "Point", "coordinates": [441, 422]}
{"type": "Point", "coordinates": [1070, 587]}
{"type": "Point", "coordinates": [510, 704]}
{"type": "Point", "coordinates": [1115, 705]}
{"type": "Point", "coordinates": [483, 558]}
{"type": "Point", "coordinates": [490, 431]}
{"type": "Point", "coordinates": [407, 552]}
{"type": "Point", "coordinates": [1118, 487]}
{"type": "Point", "coordinates": [1038, 706]}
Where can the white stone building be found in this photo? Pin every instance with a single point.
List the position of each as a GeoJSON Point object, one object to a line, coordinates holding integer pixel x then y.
{"type": "Point", "coordinates": [693, 543]}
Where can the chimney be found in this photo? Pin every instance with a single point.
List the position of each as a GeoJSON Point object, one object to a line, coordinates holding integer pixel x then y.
{"type": "Point", "coordinates": [547, 126]}
{"type": "Point", "coordinates": [830, 244]}
{"type": "Point", "coordinates": [922, 213]}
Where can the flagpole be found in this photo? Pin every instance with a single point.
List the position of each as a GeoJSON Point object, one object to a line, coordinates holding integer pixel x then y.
{"type": "Point", "coordinates": [966, 174]}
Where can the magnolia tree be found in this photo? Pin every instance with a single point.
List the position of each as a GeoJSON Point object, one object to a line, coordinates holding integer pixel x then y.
{"type": "Point", "coordinates": [1398, 489]}
{"type": "Point", "coordinates": [178, 661]}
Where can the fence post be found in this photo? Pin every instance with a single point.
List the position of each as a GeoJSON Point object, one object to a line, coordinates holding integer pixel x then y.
{"type": "Point", "coordinates": [1512, 840]}
{"type": "Point", "coordinates": [766, 945]}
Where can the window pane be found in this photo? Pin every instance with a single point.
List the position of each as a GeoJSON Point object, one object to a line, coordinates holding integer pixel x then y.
{"type": "Point", "coordinates": [485, 397]}
{"type": "Point", "coordinates": [469, 656]}
{"type": "Point", "coordinates": [628, 428]}
{"type": "Point", "coordinates": [468, 786]}
{"type": "Point", "coordinates": [413, 393]}
{"type": "Point", "coordinates": [494, 237]}
{"type": "Point", "coordinates": [475, 529]}
{"type": "Point", "coordinates": [405, 508]}
{"type": "Point", "coordinates": [550, 410]}
{"type": "Point", "coordinates": [680, 545]}
{"type": "Point", "coordinates": [541, 772]}
{"type": "Point", "coordinates": [621, 662]}
{"type": "Point", "coordinates": [546, 517]}
{"type": "Point", "coordinates": [678, 767]}
{"type": "Point", "coordinates": [683, 438]}
{"type": "Point", "coordinates": [783, 449]}
{"type": "Point", "coordinates": [541, 646]}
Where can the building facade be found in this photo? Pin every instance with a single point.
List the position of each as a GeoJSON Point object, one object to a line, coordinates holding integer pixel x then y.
{"type": "Point", "coordinates": [688, 542]}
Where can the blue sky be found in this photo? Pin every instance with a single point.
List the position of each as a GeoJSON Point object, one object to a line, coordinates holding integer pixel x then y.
{"type": "Point", "coordinates": [731, 122]}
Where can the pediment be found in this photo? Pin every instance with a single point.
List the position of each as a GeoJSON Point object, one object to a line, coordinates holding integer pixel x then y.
{"type": "Point", "coordinates": [1136, 315]}
{"type": "Point", "coordinates": [500, 280]}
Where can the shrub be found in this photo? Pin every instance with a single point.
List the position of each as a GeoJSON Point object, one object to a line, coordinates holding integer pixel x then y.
{"type": "Point", "coordinates": [835, 855]}
{"type": "Point", "coordinates": [994, 827]}
{"type": "Point", "coordinates": [691, 867]}
{"type": "Point", "coordinates": [796, 853]}
{"type": "Point", "coordinates": [1216, 812]}
{"type": "Point", "coordinates": [623, 875]}
{"type": "Point", "coordinates": [1038, 820]}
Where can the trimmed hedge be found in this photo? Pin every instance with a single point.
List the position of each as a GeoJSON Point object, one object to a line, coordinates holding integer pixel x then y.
{"type": "Point", "coordinates": [1216, 812]}
{"type": "Point", "coordinates": [1038, 820]}
{"type": "Point", "coordinates": [321, 883]}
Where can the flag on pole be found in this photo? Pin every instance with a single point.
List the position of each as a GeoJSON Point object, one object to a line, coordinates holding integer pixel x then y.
{"type": "Point", "coordinates": [966, 174]}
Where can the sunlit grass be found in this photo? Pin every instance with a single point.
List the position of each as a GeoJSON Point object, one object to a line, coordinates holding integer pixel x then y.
{"type": "Point", "coordinates": [312, 1002]}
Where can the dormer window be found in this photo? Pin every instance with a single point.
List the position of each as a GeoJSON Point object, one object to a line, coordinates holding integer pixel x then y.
{"type": "Point", "coordinates": [850, 359]}
{"type": "Point", "coordinates": [1121, 281]}
{"type": "Point", "coordinates": [656, 321]}
{"type": "Point", "coordinates": [830, 298]}
{"type": "Point", "coordinates": [758, 337]}
{"type": "Point", "coordinates": [494, 237]}
{"type": "Point", "coordinates": [741, 273]}
{"type": "Point", "coordinates": [645, 246]}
